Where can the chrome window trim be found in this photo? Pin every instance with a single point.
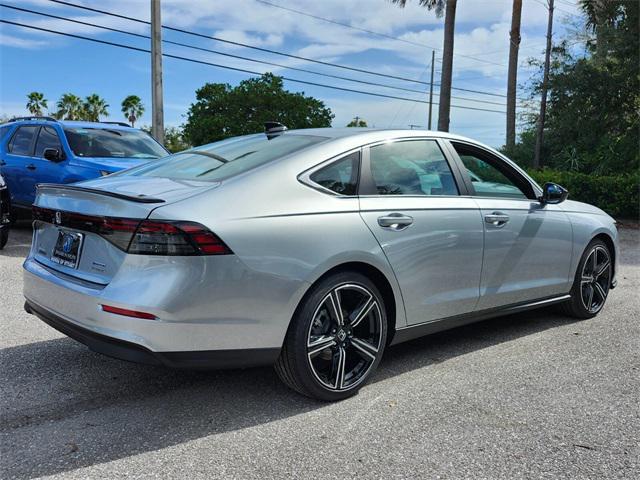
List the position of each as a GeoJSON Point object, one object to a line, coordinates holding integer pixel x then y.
{"type": "Point", "coordinates": [443, 149]}
{"type": "Point", "coordinates": [305, 177]}
{"type": "Point", "coordinates": [447, 149]}
{"type": "Point", "coordinates": [537, 190]}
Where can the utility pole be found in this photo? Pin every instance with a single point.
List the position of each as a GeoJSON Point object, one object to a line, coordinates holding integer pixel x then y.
{"type": "Point", "coordinates": [512, 75]}
{"type": "Point", "coordinates": [444, 108]}
{"type": "Point", "coordinates": [157, 110]}
{"type": "Point", "coordinates": [433, 59]}
{"type": "Point", "coordinates": [537, 161]}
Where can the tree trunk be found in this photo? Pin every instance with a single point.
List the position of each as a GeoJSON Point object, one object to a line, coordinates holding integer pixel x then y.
{"type": "Point", "coordinates": [447, 66]}
{"type": "Point", "coordinates": [512, 76]}
{"type": "Point", "coordinates": [537, 161]}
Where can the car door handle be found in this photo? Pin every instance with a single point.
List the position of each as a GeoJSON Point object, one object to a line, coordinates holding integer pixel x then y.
{"type": "Point", "coordinates": [395, 221]}
{"type": "Point", "coordinates": [31, 166]}
{"type": "Point", "coordinates": [496, 219]}
{"type": "Point", "coordinates": [2, 163]}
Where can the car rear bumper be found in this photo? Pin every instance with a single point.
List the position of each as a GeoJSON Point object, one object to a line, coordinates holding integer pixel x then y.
{"type": "Point", "coordinates": [220, 334]}
{"type": "Point", "coordinates": [132, 352]}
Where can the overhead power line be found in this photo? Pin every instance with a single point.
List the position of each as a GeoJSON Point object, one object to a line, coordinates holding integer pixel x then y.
{"type": "Point", "coordinates": [372, 32]}
{"type": "Point", "coordinates": [267, 50]}
{"type": "Point", "coordinates": [251, 72]}
{"type": "Point", "coordinates": [147, 37]}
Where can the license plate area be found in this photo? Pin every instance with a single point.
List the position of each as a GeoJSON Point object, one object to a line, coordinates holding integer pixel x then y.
{"type": "Point", "coordinates": [67, 249]}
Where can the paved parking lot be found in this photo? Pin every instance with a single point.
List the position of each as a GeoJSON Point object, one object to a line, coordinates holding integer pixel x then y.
{"type": "Point", "coordinates": [533, 395]}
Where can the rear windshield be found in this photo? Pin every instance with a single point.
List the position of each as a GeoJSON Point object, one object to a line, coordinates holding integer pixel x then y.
{"type": "Point", "coordinates": [226, 158]}
{"type": "Point", "coordinates": [113, 143]}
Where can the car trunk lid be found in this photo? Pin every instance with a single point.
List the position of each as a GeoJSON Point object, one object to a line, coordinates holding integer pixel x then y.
{"type": "Point", "coordinates": [83, 230]}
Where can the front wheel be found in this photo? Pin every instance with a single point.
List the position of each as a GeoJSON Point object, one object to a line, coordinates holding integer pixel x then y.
{"type": "Point", "coordinates": [592, 282]}
{"type": "Point", "coordinates": [336, 338]}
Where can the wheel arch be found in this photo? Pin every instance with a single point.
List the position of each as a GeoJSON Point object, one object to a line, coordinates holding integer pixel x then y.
{"type": "Point", "coordinates": [609, 242]}
{"type": "Point", "coordinates": [379, 279]}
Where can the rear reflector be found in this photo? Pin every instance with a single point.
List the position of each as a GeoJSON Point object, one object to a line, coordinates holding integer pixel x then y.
{"type": "Point", "coordinates": [128, 313]}
{"type": "Point", "coordinates": [143, 237]}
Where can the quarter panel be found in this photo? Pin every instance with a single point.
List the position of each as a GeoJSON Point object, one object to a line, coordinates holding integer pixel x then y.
{"type": "Point", "coordinates": [285, 244]}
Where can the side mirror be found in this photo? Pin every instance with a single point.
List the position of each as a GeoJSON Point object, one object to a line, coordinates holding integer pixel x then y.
{"type": "Point", "coordinates": [52, 154]}
{"type": "Point", "coordinates": [553, 193]}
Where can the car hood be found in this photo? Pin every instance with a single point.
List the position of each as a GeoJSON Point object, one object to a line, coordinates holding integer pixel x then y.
{"type": "Point", "coordinates": [110, 164]}
{"type": "Point", "coordinates": [579, 207]}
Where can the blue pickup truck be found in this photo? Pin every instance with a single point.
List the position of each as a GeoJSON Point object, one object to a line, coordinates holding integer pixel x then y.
{"type": "Point", "coordinates": [44, 150]}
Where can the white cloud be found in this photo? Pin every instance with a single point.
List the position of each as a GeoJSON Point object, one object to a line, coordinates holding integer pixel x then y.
{"type": "Point", "coordinates": [482, 31]}
{"type": "Point", "coordinates": [17, 42]}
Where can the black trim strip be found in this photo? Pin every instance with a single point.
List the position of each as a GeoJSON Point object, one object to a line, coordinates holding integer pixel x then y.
{"type": "Point", "coordinates": [411, 332]}
{"type": "Point", "coordinates": [132, 198]}
{"type": "Point", "coordinates": [120, 349]}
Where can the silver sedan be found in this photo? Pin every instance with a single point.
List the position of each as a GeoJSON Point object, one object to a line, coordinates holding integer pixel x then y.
{"type": "Point", "coordinates": [312, 250]}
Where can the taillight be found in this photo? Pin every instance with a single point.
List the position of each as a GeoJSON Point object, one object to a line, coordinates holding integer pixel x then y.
{"type": "Point", "coordinates": [144, 237]}
{"type": "Point", "coordinates": [154, 237]}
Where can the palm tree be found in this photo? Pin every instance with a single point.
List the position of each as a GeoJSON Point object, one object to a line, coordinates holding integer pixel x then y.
{"type": "Point", "coordinates": [512, 75]}
{"type": "Point", "coordinates": [36, 103]}
{"type": "Point", "coordinates": [132, 108]}
{"type": "Point", "coordinates": [70, 107]}
{"type": "Point", "coordinates": [94, 106]}
{"type": "Point", "coordinates": [449, 8]}
{"type": "Point", "coordinates": [600, 15]}
{"type": "Point", "coordinates": [357, 122]}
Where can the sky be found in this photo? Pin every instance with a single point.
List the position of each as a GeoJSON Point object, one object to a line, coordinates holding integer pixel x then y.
{"type": "Point", "coordinates": [376, 36]}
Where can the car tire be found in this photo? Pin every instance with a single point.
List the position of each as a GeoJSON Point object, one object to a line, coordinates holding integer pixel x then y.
{"type": "Point", "coordinates": [591, 283]}
{"type": "Point", "coordinates": [4, 237]}
{"type": "Point", "coordinates": [329, 353]}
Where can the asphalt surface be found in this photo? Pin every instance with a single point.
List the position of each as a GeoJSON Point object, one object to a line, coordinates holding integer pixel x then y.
{"type": "Point", "coordinates": [533, 395]}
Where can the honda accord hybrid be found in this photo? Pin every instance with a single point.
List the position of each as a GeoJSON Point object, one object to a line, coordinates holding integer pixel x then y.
{"type": "Point", "coordinates": [311, 250]}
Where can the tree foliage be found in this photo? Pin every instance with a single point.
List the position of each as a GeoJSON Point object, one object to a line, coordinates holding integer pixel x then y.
{"type": "Point", "coordinates": [592, 121]}
{"type": "Point", "coordinates": [70, 107]}
{"type": "Point", "coordinates": [437, 5]}
{"type": "Point", "coordinates": [357, 122]}
{"type": "Point", "coordinates": [36, 102]}
{"type": "Point", "coordinates": [132, 108]}
{"type": "Point", "coordinates": [222, 111]}
{"type": "Point", "coordinates": [94, 106]}
{"type": "Point", "coordinates": [174, 140]}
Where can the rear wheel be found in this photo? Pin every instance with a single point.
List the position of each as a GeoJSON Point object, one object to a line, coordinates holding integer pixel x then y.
{"type": "Point", "coordinates": [336, 338]}
{"type": "Point", "coordinates": [592, 281]}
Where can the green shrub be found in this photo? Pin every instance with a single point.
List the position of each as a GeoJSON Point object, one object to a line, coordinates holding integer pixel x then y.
{"type": "Point", "coordinates": [618, 195]}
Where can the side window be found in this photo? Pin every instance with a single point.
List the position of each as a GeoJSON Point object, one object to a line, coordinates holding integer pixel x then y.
{"type": "Point", "coordinates": [486, 178]}
{"type": "Point", "coordinates": [4, 130]}
{"type": "Point", "coordinates": [21, 141]}
{"type": "Point", "coordinates": [340, 176]}
{"type": "Point", "coordinates": [411, 167]}
{"type": "Point", "coordinates": [48, 138]}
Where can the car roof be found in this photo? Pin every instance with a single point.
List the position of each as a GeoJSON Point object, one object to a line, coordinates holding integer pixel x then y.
{"type": "Point", "coordinates": [79, 124]}
{"type": "Point", "coordinates": [379, 134]}
{"type": "Point", "coordinates": [331, 132]}
{"type": "Point", "coordinates": [69, 123]}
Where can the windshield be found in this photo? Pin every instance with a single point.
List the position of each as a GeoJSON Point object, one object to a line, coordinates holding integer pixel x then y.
{"type": "Point", "coordinates": [113, 143]}
{"type": "Point", "coordinates": [226, 158]}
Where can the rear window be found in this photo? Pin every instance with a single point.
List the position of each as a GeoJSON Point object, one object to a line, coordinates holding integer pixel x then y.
{"type": "Point", "coordinates": [22, 141]}
{"type": "Point", "coordinates": [112, 143]}
{"type": "Point", "coordinates": [226, 158]}
{"type": "Point", "coordinates": [4, 129]}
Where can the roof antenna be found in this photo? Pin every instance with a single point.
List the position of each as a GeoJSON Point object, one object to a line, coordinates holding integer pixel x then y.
{"type": "Point", "coordinates": [274, 129]}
